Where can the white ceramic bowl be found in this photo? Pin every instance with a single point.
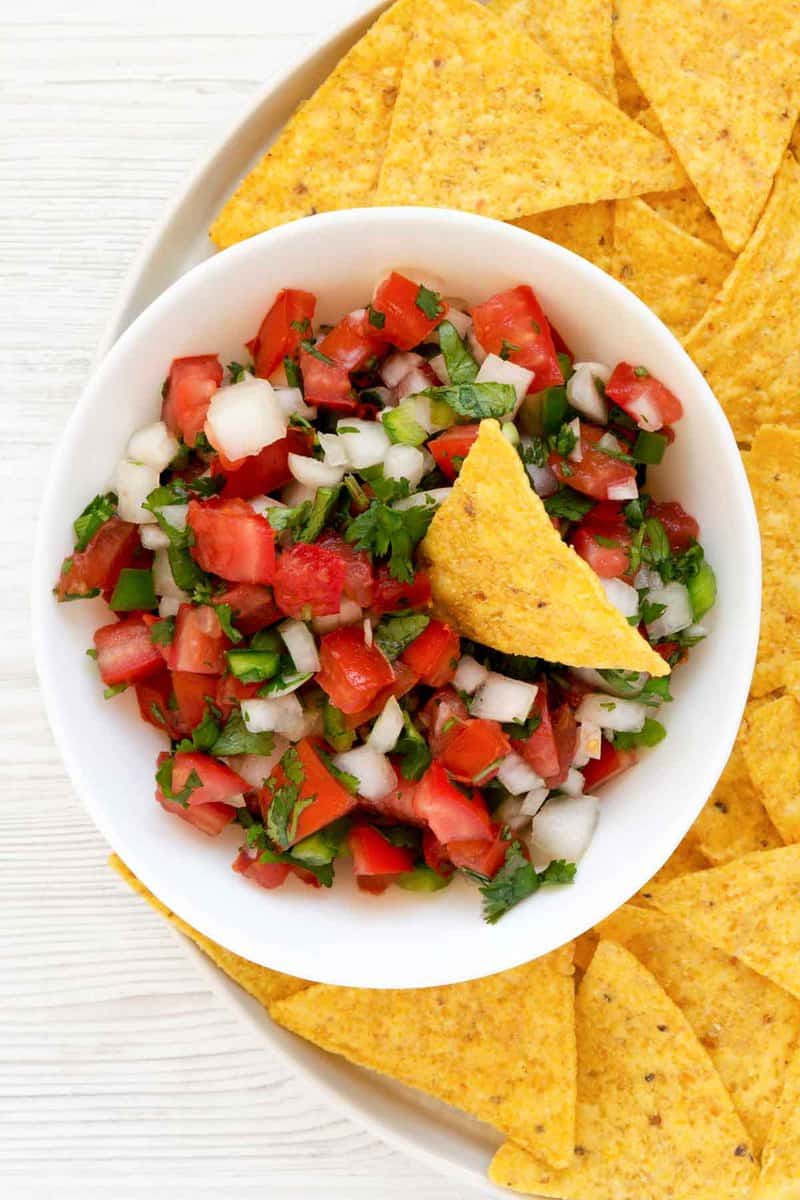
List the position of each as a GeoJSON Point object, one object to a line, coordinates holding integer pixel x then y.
{"type": "Point", "coordinates": [399, 939]}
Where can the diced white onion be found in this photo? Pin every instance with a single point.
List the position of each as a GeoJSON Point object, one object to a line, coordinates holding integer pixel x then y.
{"type": "Point", "coordinates": [439, 367]}
{"type": "Point", "coordinates": [260, 504]}
{"type": "Point", "coordinates": [278, 377]}
{"type": "Point", "coordinates": [500, 698]}
{"type": "Point", "coordinates": [245, 417]}
{"type": "Point", "coordinates": [495, 369]}
{"type": "Point", "coordinates": [175, 515]}
{"type": "Point", "coordinates": [576, 453]}
{"type": "Point", "coordinates": [394, 367]}
{"type": "Point", "coordinates": [543, 479]}
{"type": "Point", "coordinates": [677, 612]}
{"type": "Point", "coordinates": [365, 442]}
{"type": "Point", "coordinates": [404, 462]}
{"type": "Point", "coordinates": [469, 675]}
{"type": "Point", "coordinates": [133, 484]}
{"type": "Point", "coordinates": [573, 784]}
{"type": "Point", "coordinates": [281, 715]}
{"type": "Point", "coordinates": [623, 491]}
{"type": "Point", "coordinates": [460, 320]}
{"type": "Point", "coordinates": [646, 578]}
{"type": "Point", "coordinates": [255, 768]}
{"type": "Point", "coordinates": [476, 349]}
{"type": "Point", "coordinates": [387, 729]}
{"type": "Point", "coordinates": [609, 442]}
{"type": "Point", "coordinates": [589, 744]}
{"type": "Point", "coordinates": [582, 391]}
{"type": "Point", "coordinates": [153, 445]}
{"type": "Point", "coordinates": [612, 712]}
{"type": "Point", "coordinates": [292, 403]}
{"type": "Point", "coordinates": [333, 449]}
{"type": "Point", "coordinates": [299, 641]}
{"type": "Point", "coordinates": [374, 772]}
{"type": "Point", "coordinates": [312, 473]}
{"type": "Point", "coordinates": [432, 496]}
{"type": "Point", "coordinates": [624, 598]}
{"type": "Point", "coordinates": [697, 631]}
{"type": "Point", "coordinates": [518, 776]}
{"type": "Point", "coordinates": [163, 581]}
{"type": "Point", "coordinates": [645, 413]}
{"type": "Point", "coordinates": [349, 614]}
{"type": "Point", "coordinates": [296, 493]}
{"type": "Point", "coordinates": [534, 800]}
{"type": "Point", "coordinates": [629, 683]}
{"type": "Point", "coordinates": [412, 383]}
{"type": "Point", "coordinates": [509, 812]}
{"type": "Point", "coordinates": [153, 538]}
{"type": "Point", "coordinates": [168, 605]}
{"type": "Point", "coordinates": [563, 829]}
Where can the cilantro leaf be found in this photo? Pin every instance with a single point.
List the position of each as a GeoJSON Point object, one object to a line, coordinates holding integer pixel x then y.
{"type": "Point", "coordinates": [376, 319]}
{"type": "Point", "coordinates": [225, 614]}
{"type": "Point", "coordinates": [461, 366]}
{"type": "Point", "coordinates": [516, 880]}
{"type": "Point", "coordinates": [386, 490]}
{"type": "Point", "coordinates": [415, 757]}
{"type": "Point", "coordinates": [96, 513]}
{"type": "Point", "coordinates": [349, 782]}
{"type": "Point", "coordinates": [569, 504]}
{"type": "Point", "coordinates": [162, 632]}
{"type": "Point", "coordinates": [285, 797]}
{"type": "Point", "coordinates": [396, 533]}
{"type": "Point", "coordinates": [476, 400]}
{"type": "Point", "coordinates": [237, 372]}
{"type": "Point", "coordinates": [395, 634]}
{"type": "Point", "coordinates": [294, 377]}
{"type": "Point", "coordinates": [310, 348]}
{"type": "Point", "coordinates": [164, 781]}
{"type": "Point", "coordinates": [429, 302]}
{"type": "Point", "coordinates": [236, 738]}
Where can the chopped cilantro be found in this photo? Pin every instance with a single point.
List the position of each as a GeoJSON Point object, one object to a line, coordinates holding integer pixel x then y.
{"type": "Point", "coordinates": [349, 782]}
{"type": "Point", "coordinates": [311, 349]}
{"type": "Point", "coordinates": [394, 532]}
{"type": "Point", "coordinates": [648, 611]}
{"type": "Point", "coordinates": [569, 504]}
{"type": "Point", "coordinates": [394, 634]}
{"type": "Point", "coordinates": [386, 490]}
{"type": "Point", "coordinates": [96, 513]}
{"type": "Point", "coordinates": [376, 319]}
{"type": "Point", "coordinates": [164, 781]}
{"type": "Point", "coordinates": [461, 366]}
{"type": "Point", "coordinates": [225, 615]}
{"type": "Point", "coordinates": [162, 632]}
{"type": "Point", "coordinates": [286, 803]}
{"type": "Point", "coordinates": [294, 377]}
{"type": "Point", "coordinates": [412, 749]}
{"type": "Point", "coordinates": [476, 400]}
{"type": "Point", "coordinates": [236, 738]}
{"type": "Point", "coordinates": [301, 326]}
{"type": "Point", "coordinates": [507, 349]}
{"type": "Point", "coordinates": [114, 690]}
{"type": "Point", "coordinates": [522, 730]}
{"type": "Point", "coordinates": [641, 372]}
{"type": "Point", "coordinates": [236, 372]}
{"type": "Point", "coordinates": [429, 302]}
{"type": "Point", "coordinates": [517, 879]}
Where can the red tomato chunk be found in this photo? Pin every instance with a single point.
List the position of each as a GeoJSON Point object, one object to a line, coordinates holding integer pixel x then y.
{"type": "Point", "coordinates": [351, 672]}
{"type": "Point", "coordinates": [190, 385]}
{"type": "Point", "coordinates": [285, 325]}
{"type": "Point", "coordinates": [309, 581]}
{"type": "Point", "coordinates": [643, 397]}
{"type": "Point", "coordinates": [232, 541]}
{"type": "Point", "coordinates": [125, 652]}
{"type": "Point", "coordinates": [513, 325]}
{"type": "Point", "coordinates": [434, 654]}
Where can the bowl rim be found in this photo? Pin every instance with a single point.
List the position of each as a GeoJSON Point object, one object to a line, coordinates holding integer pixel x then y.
{"type": "Point", "coordinates": [748, 542]}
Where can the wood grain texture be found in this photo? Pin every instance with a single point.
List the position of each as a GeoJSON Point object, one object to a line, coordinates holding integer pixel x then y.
{"type": "Point", "coordinates": [119, 1074]}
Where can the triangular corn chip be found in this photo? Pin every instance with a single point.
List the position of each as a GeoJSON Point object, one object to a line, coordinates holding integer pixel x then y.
{"type": "Point", "coordinates": [726, 89]}
{"type": "Point", "coordinates": [685, 858]}
{"type": "Point", "coordinates": [747, 1024]}
{"type": "Point", "coordinates": [576, 33]}
{"type": "Point", "coordinates": [503, 576]}
{"type": "Point", "coordinates": [772, 751]}
{"type": "Point", "coordinates": [486, 121]}
{"type": "Point", "coordinates": [630, 96]}
{"type": "Point", "coordinates": [676, 275]}
{"type": "Point", "coordinates": [780, 1164]}
{"type": "Point", "coordinates": [262, 983]}
{"type": "Point", "coordinates": [585, 229]}
{"type": "Point", "coordinates": [773, 468]}
{"type": "Point", "coordinates": [749, 907]}
{"type": "Point", "coordinates": [654, 1121]}
{"type": "Point", "coordinates": [501, 1048]}
{"type": "Point", "coordinates": [747, 344]}
{"type": "Point", "coordinates": [734, 821]}
{"type": "Point", "coordinates": [330, 153]}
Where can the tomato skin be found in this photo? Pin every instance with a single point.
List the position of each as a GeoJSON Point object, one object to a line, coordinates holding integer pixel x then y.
{"type": "Point", "coordinates": [450, 814]}
{"type": "Point", "coordinates": [486, 858]}
{"type": "Point", "coordinates": [406, 325]}
{"type": "Point", "coordinates": [208, 818]}
{"type": "Point", "coordinates": [473, 748]}
{"type": "Point", "coordinates": [266, 875]}
{"type": "Point", "coordinates": [252, 605]}
{"type": "Point", "coordinates": [125, 652]}
{"type": "Point", "coordinates": [628, 390]}
{"type": "Point", "coordinates": [455, 443]}
{"type": "Point", "coordinates": [192, 694]}
{"type": "Point", "coordinates": [230, 692]}
{"type": "Point", "coordinates": [277, 338]}
{"type": "Point", "coordinates": [391, 595]}
{"type": "Point", "coordinates": [309, 579]}
{"type": "Point", "coordinates": [351, 672]}
{"type": "Point", "coordinates": [232, 541]}
{"type": "Point", "coordinates": [436, 856]}
{"type": "Point", "coordinates": [329, 800]}
{"type": "Point", "coordinates": [190, 385]}
{"type": "Point", "coordinates": [113, 547]}
{"type": "Point", "coordinates": [596, 472]}
{"type": "Point", "coordinates": [259, 474]}
{"type": "Point", "coordinates": [609, 562]}
{"type": "Point", "coordinates": [540, 749]}
{"type": "Point", "coordinates": [374, 855]}
{"type": "Point", "coordinates": [610, 763]}
{"type": "Point", "coordinates": [679, 526]}
{"type": "Point", "coordinates": [565, 733]}
{"type": "Point", "coordinates": [516, 318]}
{"type": "Point", "coordinates": [359, 581]}
{"type": "Point", "coordinates": [218, 782]}
{"type": "Point", "coordinates": [404, 680]}
{"type": "Point", "coordinates": [326, 384]}
{"type": "Point", "coordinates": [198, 644]}
{"type": "Point", "coordinates": [434, 654]}
{"type": "Point", "coordinates": [154, 694]}
{"type": "Point", "coordinates": [354, 344]}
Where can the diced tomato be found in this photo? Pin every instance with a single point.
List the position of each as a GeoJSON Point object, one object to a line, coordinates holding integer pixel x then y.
{"type": "Point", "coordinates": [326, 384]}
{"type": "Point", "coordinates": [354, 344]}
{"type": "Point", "coordinates": [125, 652]}
{"type": "Point", "coordinates": [232, 541]}
{"type": "Point", "coordinates": [596, 472]}
{"type": "Point", "coordinates": [208, 818]}
{"type": "Point", "coordinates": [404, 680]}
{"type": "Point", "coordinates": [565, 733]}
{"type": "Point", "coordinates": [309, 581]}
{"type": "Point", "coordinates": [668, 649]}
{"type": "Point", "coordinates": [283, 328]}
{"type": "Point", "coordinates": [391, 595]}
{"type": "Point", "coordinates": [407, 324]}
{"type": "Point", "coordinates": [447, 811]}
{"type": "Point", "coordinates": [475, 750]}
{"type": "Point", "coordinates": [441, 717]}
{"type": "Point", "coordinates": [97, 568]}
{"type": "Point", "coordinates": [359, 581]}
{"type": "Point", "coordinates": [513, 324]}
{"type": "Point", "coordinates": [192, 694]}
{"type": "Point", "coordinates": [373, 854]}
{"type": "Point", "coordinates": [610, 763]}
{"type": "Point", "coordinates": [643, 397]}
{"type": "Point", "coordinates": [252, 605]}
{"type": "Point", "coordinates": [397, 805]}
{"type": "Point", "coordinates": [328, 799]}
{"type": "Point", "coordinates": [198, 644]}
{"type": "Point", "coordinates": [435, 854]}
{"type": "Point", "coordinates": [679, 526]}
{"type": "Point", "coordinates": [267, 875]}
{"type": "Point", "coordinates": [231, 692]}
{"type": "Point", "coordinates": [450, 448]}
{"type": "Point", "coordinates": [609, 562]}
{"type": "Point", "coordinates": [262, 473]}
{"type": "Point", "coordinates": [351, 672]}
{"type": "Point", "coordinates": [434, 654]}
{"type": "Point", "coordinates": [218, 783]}
{"type": "Point", "coordinates": [190, 385]}
{"type": "Point", "coordinates": [485, 858]}
{"type": "Point", "coordinates": [153, 695]}
{"type": "Point", "coordinates": [540, 749]}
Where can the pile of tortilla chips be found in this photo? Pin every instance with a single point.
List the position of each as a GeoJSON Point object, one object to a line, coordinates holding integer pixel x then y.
{"type": "Point", "coordinates": [662, 145]}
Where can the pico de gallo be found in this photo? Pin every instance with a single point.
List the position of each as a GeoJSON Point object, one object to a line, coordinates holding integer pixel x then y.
{"type": "Point", "coordinates": [258, 556]}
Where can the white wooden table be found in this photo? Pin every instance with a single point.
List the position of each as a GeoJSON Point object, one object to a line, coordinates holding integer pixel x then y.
{"type": "Point", "coordinates": [119, 1074]}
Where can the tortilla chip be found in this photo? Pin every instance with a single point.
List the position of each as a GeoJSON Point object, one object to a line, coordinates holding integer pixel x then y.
{"type": "Point", "coordinates": [734, 821]}
{"type": "Point", "coordinates": [725, 86]}
{"type": "Point", "coordinates": [747, 1024]}
{"type": "Point", "coordinates": [576, 33]}
{"type": "Point", "coordinates": [780, 1164]}
{"type": "Point", "coordinates": [585, 947]}
{"type": "Point", "coordinates": [630, 96]}
{"type": "Point", "coordinates": [773, 467]}
{"type": "Point", "coordinates": [685, 858]}
{"type": "Point", "coordinates": [262, 983]}
{"type": "Point", "coordinates": [503, 576]}
{"type": "Point", "coordinates": [486, 121]}
{"type": "Point", "coordinates": [585, 229]}
{"type": "Point", "coordinates": [772, 752]}
{"type": "Point", "coordinates": [654, 1120]}
{"type": "Point", "coordinates": [673, 273]}
{"type": "Point", "coordinates": [501, 1049]}
{"type": "Point", "coordinates": [748, 342]}
{"type": "Point", "coordinates": [329, 154]}
{"type": "Point", "coordinates": [750, 908]}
